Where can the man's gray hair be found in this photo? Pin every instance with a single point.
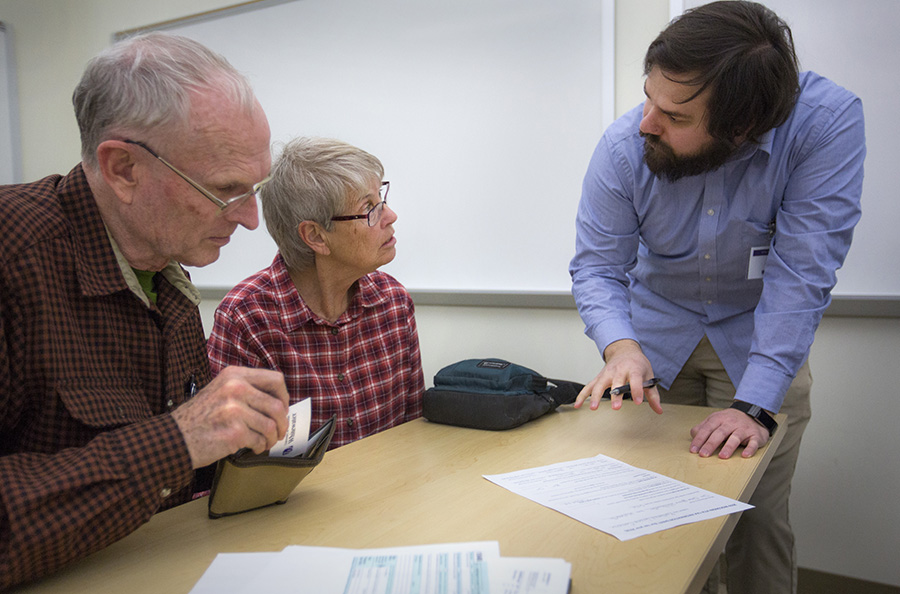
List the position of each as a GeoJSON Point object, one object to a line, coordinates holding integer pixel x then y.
{"type": "Point", "coordinates": [144, 83]}
{"type": "Point", "coordinates": [313, 179]}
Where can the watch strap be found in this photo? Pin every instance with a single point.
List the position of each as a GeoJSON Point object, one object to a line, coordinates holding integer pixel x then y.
{"type": "Point", "coordinates": [758, 413]}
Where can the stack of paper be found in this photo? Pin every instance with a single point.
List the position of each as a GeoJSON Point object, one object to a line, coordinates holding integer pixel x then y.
{"type": "Point", "coordinates": [466, 568]}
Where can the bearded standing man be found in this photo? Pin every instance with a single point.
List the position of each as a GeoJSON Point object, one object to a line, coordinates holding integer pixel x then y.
{"type": "Point", "coordinates": [712, 222]}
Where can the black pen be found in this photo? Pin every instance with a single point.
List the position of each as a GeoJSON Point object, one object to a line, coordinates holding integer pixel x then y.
{"type": "Point", "coordinates": [626, 389]}
{"type": "Point", "coordinates": [191, 387]}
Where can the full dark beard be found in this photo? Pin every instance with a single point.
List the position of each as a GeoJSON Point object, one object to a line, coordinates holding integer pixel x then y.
{"type": "Point", "coordinates": [664, 163]}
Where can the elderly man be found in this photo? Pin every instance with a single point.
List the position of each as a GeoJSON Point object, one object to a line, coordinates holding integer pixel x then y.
{"type": "Point", "coordinates": [104, 416]}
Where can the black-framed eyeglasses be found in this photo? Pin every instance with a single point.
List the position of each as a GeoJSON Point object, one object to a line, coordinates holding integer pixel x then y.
{"type": "Point", "coordinates": [373, 215]}
{"type": "Point", "coordinates": [227, 204]}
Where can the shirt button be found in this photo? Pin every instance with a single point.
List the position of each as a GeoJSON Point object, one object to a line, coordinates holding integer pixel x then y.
{"type": "Point", "coordinates": [166, 491]}
{"type": "Point", "coordinates": [170, 403]}
{"type": "Point", "coordinates": [708, 279]}
{"type": "Point", "coordinates": [349, 422]}
{"type": "Point", "coordinates": [341, 377]}
{"type": "Point", "coordinates": [710, 212]}
{"type": "Point", "coordinates": [709, 302]}
{"type": "Point", "coordinates": [334, 331]}
{"type": "Point", "coordinates": [706, 256]}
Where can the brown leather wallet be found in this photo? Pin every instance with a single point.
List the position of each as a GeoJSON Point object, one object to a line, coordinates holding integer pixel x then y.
{"type": "Point", "coordinates": [246, 481]}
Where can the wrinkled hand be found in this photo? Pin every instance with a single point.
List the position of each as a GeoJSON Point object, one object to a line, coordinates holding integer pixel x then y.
{"type": "Point", "coordinates": [240, 408]}
{"type": "Point", "coordinates": [732, 428]}
{"type": "Point", "coordinates": [625, 364]}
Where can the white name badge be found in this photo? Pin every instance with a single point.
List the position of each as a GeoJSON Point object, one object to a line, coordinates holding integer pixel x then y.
{"type": "Point", "coordinates": [757, 265]}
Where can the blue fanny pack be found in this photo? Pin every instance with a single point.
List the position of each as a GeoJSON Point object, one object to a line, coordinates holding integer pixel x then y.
{"type": "Point", "coordinates": [493, 394]}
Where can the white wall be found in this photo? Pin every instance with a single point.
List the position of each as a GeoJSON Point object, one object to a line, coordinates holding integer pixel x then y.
{"type": "Point", "coordinates": [848, 477]}
{"type": "Point", "coordinates": [9, 126]}
{"type": "Point", "coordinates": [53, 40]}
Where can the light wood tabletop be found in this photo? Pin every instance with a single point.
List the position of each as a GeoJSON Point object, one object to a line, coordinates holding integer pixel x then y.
{"type": "Point", "coordinates": [422, 483]}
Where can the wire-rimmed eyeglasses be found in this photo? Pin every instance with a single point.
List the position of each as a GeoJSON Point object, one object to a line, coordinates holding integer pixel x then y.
{"type": "Point", "coordinates": [373, 215]}
{"type": "Point", "coordinates": [227, 204]}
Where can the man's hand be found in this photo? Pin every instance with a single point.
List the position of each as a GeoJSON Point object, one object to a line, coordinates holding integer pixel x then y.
{"type": "Point", "coordinates": [625, 364]}
{"type": "Point", "coordinates": [240, 408]}
{"type": "Point", "coordinates": [730, 429]}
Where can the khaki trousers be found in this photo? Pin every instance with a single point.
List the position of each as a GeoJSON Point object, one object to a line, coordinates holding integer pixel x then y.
{"type": "Point", "coordinates": [760, 556]}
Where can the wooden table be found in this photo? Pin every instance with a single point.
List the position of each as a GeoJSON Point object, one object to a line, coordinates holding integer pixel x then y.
{"type": "Point", "coordinates": [422, 483]}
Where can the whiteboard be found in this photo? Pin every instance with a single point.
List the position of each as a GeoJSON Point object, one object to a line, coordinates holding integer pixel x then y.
{"type": "Point", "coordinates": [484, 112]}
{"type": "Point", "coordinates": [856, 45]}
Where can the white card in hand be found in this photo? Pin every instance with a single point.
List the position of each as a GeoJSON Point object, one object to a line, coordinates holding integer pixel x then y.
{"type": "Point", "coordinates": [297, 435]}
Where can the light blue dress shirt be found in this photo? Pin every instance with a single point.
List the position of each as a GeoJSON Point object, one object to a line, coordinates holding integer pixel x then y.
{"type": "Point", "coordinates": [664, 263]}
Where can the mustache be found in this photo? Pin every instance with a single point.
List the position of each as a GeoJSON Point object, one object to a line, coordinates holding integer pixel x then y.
{"type": "Point", "coordinates": [662, 161]}
{"type": "Point", "coordinates": [654, 142]}
{"type": "Point", "coordinates": [652, 139]}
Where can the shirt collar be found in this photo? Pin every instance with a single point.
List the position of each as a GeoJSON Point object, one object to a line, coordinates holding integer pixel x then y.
{"type": "Point", "coordinates": [97, 255]}
{"type": "Point", "coordinates": [173, 272]}
{"type": "Point", "coordinates": [764, 144]}
{"type": "Point", "coordinates": [766, 141]}
{"type": "Point", "coordinates": [367, 296]}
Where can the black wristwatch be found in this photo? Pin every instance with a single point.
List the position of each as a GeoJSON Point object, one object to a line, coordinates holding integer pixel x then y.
{"type": "Point", "coordinates": [759, 415]}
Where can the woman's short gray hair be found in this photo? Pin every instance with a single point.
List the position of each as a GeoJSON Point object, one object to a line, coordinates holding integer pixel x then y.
{"type": "Point", "coordinates": [313, 179]}
{"type": "Point", "coordinates": [144, 83]}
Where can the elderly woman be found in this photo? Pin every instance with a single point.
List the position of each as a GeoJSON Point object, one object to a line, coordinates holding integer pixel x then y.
{"type": "Point", "coordinates": [342, 332]}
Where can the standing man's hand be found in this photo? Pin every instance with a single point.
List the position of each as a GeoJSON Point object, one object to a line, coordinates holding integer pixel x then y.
{"type": "Point", "coordinates": [626, 364]}
{"type": "Point", "coordinates": [240, 408]}
{"type": "Point", "coordinates": [729, 428]}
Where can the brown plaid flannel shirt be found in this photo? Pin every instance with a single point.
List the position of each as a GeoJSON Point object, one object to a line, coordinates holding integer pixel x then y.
{"type": "Point", "coordinates": [88, 375]}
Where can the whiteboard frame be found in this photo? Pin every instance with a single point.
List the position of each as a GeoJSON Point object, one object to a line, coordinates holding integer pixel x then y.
{"type": "Point", "coordinates": [445, 271]}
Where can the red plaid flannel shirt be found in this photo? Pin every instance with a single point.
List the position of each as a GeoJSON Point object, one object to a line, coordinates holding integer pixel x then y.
{"type": "Point", "coordinates": [88, 373]}
{"type": "Point", "coordinates": [365, 368]}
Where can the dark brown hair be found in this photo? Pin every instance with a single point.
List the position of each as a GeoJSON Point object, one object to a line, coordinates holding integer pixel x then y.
{"type": "Point", "coordinates": [740, 50]}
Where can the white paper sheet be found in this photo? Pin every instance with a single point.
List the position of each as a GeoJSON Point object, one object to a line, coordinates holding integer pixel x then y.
{"type": "Point", "coordinates": [615, 497]}
{"type": "Point", "coordinates": [231, 572]}
{"type": "Point", "coordinates": [529, 575]}
{"type": "Point", "coordinates": [461, 568]}
{"type": "Point", "coordinates": [426, 569]}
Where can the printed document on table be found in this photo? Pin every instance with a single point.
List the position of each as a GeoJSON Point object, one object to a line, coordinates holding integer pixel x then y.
{"type": "Point", "coordinates": [463, 568]}
{"type": "Point", "coordinates": [615, 497]}
{"type": "Point", "coordinates": [426, 569]}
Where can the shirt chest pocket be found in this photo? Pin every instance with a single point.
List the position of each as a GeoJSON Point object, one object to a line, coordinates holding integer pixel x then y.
{"type": "Point", "coordinates": [754, 234]}
{"type": "Point", "coordinates": [103, 403]}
